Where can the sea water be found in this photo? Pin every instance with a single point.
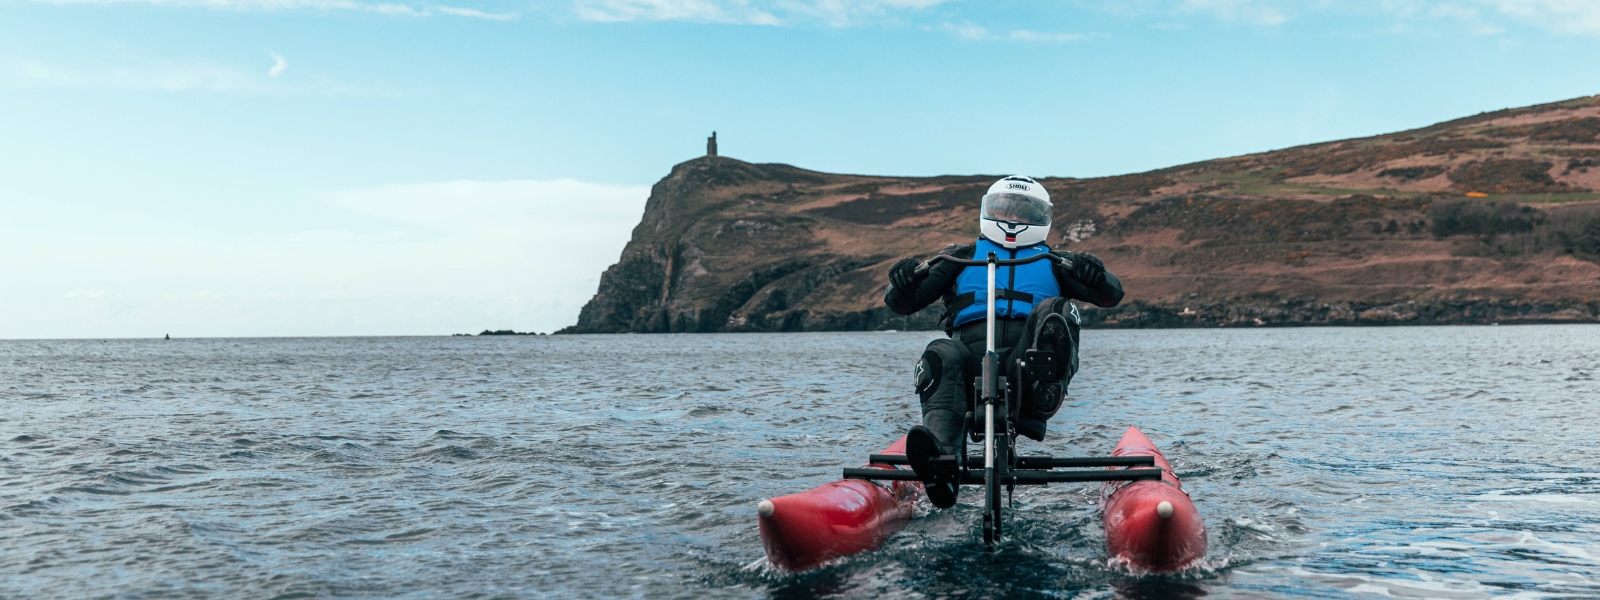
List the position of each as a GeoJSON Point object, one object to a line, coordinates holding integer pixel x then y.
{"type": "Point", "coordinates": [1451, 462]}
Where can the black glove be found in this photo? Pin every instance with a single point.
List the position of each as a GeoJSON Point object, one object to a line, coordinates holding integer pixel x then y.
{"type": "Point", "coordinates": [1082, 266]}
{"type": "Point", "coordinates": [904, 277]}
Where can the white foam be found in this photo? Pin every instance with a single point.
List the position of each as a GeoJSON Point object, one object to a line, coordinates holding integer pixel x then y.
{"type": "Point", "coordinates": [1424, 586]}
{"type": "Point", "coordinates": [1509, 495]}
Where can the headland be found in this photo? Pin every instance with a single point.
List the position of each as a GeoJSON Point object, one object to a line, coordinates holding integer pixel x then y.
{"type": "Point", "coordinates": [1493, 218]}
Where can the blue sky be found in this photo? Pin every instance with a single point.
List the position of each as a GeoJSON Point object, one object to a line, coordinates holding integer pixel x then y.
{"type": "Point", "coordinates": [345, 167]}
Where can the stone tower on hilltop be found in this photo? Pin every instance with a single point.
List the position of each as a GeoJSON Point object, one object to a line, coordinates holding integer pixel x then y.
{"type": "Point", "coordinates": [711, 144]}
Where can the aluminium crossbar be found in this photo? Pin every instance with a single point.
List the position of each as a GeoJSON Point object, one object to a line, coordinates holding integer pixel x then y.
{"type": "Point", "coordinates": [1018, 477]}
{"type": "Point", "coordinates": [1029, 462]}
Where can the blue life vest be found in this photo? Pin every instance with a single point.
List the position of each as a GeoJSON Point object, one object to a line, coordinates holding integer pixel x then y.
{"type": "Point", "coordinates": [1016, 288]}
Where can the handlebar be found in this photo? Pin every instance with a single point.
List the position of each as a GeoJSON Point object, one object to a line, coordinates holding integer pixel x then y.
{"type": "Point", "coordinates": [999, 262]}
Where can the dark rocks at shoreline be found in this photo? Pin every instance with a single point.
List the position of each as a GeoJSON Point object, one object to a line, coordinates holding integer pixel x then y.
{"type": "Point", "coordinates": [1244, 313]}
{"type": "Point", "coordinates": [1309, 313]}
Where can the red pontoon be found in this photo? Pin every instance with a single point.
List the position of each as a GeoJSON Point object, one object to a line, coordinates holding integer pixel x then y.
{"type": "Point", "coordinates": [1151, 524]}
{"type": "Point", "coordinates": [800, 531]}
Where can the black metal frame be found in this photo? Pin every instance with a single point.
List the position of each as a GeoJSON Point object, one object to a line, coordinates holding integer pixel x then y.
{"type": "Point", "coordinates": [1000, 465]}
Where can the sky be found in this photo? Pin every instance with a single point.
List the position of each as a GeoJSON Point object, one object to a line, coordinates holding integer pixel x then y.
{"type": "Point", "coordinates": [206, 168]}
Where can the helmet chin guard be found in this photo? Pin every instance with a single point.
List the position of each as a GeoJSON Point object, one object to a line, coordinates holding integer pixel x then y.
{"type": "Point", "coordinates": [1016, 212]}
{"type": "Point", "coordinates": [1013, 235]}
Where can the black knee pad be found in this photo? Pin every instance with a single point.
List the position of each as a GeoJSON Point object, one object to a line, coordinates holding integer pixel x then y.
{"type": "Point", "coordinates": [1067, 358]}
{"type": "Point", "coordinates": [1074, 325]}
{"type": "Point", "coordinates": [926, 374]}
{"type": "Point", "coordinates": [938, 370]}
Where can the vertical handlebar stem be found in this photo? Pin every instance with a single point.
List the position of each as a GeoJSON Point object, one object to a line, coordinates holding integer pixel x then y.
{"type": "Point", "coordinates": [989, 381]}
{"type": "Point", "coordinates": [990, 340]}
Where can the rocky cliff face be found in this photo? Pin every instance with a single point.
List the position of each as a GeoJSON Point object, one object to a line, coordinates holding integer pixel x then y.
{"type": "Point", "coordinates": [1492, 218]}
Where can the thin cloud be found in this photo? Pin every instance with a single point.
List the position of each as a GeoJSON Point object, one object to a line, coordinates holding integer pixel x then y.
{"type": "Point", "coordinates": [159, 77]}
{"type": "Point", "coordinates": [1258, 12]}
{"type": "Point", "coordinates": [1580, 17]}
{"type": "Point", "coordinates": [171, 76]}
{"type": "Point", "coordinates": [384, 8]}
{"type": "Point", "coordinates": [279, 65]}
{"type": "Point", "coordinates": [475, 13]}
{"type": "Point", "coordinates": [846, 13]}
{"type": "Point", "coordinates": [837, 13]}
{"type": "Point", "coordinates": [735, 12]}
{"type": "Point", "coordinates": [968, 31]}
{"type": "Point", "coordinates": [267, 5]}
{"type": "Point", "coordinates": [1482, 17]}
{"type": "Point", "coordinates": [1028, 35]}
{"type": "Point", "coordinates": [1267, 13]}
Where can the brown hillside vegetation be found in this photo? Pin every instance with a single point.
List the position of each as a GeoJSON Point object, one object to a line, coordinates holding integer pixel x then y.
{"type": "Point", "coordinates": [1375, 230]}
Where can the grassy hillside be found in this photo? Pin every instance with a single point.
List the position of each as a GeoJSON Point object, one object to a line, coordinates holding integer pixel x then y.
{"type": "Point", "coordinates": [1491, 218]}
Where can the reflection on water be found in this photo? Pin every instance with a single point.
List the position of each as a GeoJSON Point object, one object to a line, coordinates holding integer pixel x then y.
{"type": "Point", "coordinates": [1413, 462]}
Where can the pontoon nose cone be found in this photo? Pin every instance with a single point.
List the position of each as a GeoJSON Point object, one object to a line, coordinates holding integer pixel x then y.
{"type": "Point", "coordinates": [1164, 509]}
{"type": "Point", "coordinates": [766, 508]}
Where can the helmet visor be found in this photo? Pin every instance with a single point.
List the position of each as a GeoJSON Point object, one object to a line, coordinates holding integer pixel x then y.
{"type": "Point", "coordinates": [1016, 208]}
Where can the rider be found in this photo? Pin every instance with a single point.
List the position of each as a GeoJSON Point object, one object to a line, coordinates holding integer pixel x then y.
{"type": "Point", "coordinates": [1014, 221]}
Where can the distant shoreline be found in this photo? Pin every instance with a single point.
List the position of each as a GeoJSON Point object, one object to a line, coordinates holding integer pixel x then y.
{"type": "Point", "coordinates": [1309, 313]}
{"type": "Point", "coordinates": [1202, 313]}
{"type": "Point", "coordinates": [887, 330]}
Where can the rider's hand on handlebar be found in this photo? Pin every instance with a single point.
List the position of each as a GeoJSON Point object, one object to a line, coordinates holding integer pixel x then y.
{"type": "Point", "coordinates": [1082, 266]}
{"type": "Point", "coordinates": [903, 275]}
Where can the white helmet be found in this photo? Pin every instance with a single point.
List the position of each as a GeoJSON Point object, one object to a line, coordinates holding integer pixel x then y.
{"type": "Point", "coordinates": [1016, 212]}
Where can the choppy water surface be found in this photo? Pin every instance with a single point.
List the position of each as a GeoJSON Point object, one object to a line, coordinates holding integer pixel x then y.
{"type": "Point", "coordinates": [1422, 462]}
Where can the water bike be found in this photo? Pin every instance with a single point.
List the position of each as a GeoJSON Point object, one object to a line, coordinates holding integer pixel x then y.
{"type": "Point", "coordinates": [1150, 522]}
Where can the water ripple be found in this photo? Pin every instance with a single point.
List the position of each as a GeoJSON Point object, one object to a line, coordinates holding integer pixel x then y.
{"type": "Point", "coordinates": [1421, 462]}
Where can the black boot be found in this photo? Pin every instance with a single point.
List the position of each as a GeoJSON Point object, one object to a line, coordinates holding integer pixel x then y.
{"type": "Point", "coordinates": [1045, 400]}
{"type": "Point", "coordinates": [939, 434]}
